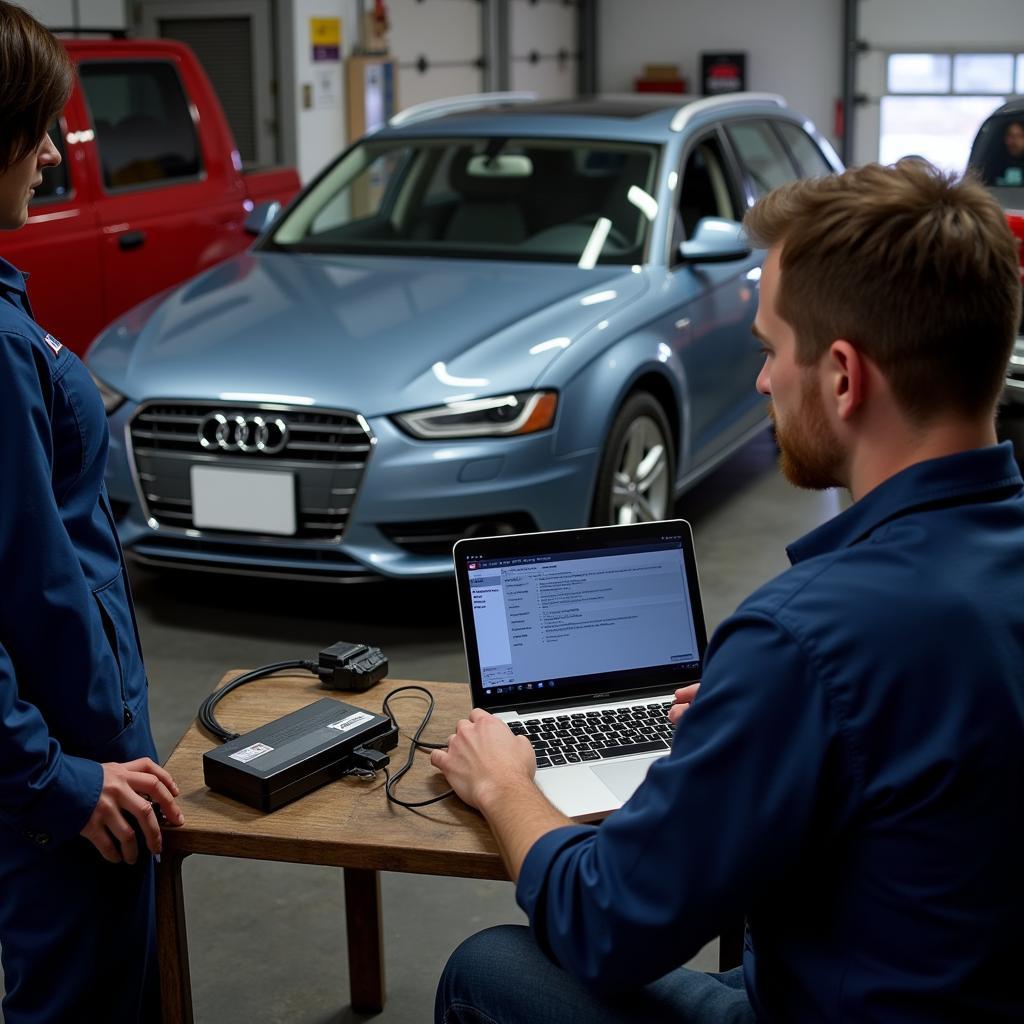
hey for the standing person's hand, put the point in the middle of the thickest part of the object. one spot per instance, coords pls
(684, 698)
(134, 788)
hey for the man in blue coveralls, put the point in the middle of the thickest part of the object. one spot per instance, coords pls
(78, 782)
(851, 775)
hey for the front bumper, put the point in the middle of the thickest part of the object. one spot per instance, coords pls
(414, 496)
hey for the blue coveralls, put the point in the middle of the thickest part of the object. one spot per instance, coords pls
(77, 932)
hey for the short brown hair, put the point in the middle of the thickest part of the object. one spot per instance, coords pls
(915, 267)
(35, 81)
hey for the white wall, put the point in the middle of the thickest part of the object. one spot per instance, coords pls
(92, 13)
(793, 47)
(547, 28)
(319, 131)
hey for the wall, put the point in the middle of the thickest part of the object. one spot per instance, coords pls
(92, 13)
(793, 47)
(318, 131)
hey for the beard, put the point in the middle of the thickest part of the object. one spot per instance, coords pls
(810, 454)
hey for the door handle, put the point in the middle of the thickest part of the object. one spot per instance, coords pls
(131, 240)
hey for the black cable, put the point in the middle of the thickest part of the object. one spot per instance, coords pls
(209, 720)
(391, 781)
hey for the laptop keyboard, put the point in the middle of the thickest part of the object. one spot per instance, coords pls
(596, 735)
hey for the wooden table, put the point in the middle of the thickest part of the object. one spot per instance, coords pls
(347, 824)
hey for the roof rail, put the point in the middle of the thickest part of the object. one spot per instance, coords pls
(685, 114)
(451, 104)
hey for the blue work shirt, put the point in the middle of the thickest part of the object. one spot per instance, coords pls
(850, 777)
(72, 683)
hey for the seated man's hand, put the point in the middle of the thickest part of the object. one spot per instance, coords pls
(483, 755)
(684, 698)
(135, 788)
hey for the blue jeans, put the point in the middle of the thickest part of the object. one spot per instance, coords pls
(499, 976)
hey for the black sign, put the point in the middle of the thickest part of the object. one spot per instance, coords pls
(723, 72)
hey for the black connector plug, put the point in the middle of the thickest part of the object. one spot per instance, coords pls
(370, 759)
(348, 666)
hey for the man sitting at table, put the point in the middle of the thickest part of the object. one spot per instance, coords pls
(851, 776)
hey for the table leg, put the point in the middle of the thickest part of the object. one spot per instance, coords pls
(365, 939)
(172, 941)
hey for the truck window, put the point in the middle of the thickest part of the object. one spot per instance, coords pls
(56, 184)
(144, 131)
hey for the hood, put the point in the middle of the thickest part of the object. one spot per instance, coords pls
(372, 334)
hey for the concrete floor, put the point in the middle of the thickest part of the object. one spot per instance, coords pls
(267, 940)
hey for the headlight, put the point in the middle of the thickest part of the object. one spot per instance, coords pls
(111, 399)
(522, 413)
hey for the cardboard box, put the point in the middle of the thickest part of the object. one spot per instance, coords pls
(662, 72)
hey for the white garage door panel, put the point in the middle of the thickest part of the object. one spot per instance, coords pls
(546, 27)
(441, 31)
(923, 26)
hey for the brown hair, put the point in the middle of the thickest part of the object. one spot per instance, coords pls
(916, 268)
(35, 81)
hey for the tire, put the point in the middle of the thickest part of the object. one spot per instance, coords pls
(628, 491)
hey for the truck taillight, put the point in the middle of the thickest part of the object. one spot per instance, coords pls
(1016, 222)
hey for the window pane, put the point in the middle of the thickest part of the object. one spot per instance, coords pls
(762, 155)
(808, 156)
(939, 128)
(1019, 88)
(919, 72)
(983, 72)
(55, 179)
(144, 131)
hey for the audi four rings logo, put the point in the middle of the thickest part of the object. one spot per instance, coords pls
(243, 433)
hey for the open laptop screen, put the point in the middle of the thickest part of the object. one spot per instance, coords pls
(550, 616)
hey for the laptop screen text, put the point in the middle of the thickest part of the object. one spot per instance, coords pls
(543, 620)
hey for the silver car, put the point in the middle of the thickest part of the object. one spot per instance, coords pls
(492, 315)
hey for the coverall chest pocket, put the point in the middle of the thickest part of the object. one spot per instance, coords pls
(115, 615)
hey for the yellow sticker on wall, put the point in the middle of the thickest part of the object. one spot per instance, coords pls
(325, 38)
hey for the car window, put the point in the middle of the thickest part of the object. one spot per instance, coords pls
(501, 197)
(809, 158)
(144, 131)
(704, 190)
(998, 153)
(762, 155)
(56, 182)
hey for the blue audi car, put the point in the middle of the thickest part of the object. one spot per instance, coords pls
(491, 315)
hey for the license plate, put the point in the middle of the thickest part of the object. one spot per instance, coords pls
(250, 500)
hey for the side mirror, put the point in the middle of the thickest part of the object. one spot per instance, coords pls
(715, 240)
(262, 217)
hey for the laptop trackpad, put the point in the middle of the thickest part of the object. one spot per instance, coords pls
(623, 778)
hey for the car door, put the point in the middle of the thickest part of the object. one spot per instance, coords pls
(165, 205)
(709, 308)
(59, 246)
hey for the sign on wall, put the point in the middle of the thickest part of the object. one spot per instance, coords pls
(325, 38)
(723, 72)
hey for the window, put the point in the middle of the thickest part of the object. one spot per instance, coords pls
(762, 155)
(56, 184)
(704, 191)
(144, 130)
(494, 197)
(936, 102)
(809, 158)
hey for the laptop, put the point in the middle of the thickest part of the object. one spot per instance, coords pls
(578, 639)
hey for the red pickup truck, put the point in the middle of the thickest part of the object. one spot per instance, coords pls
(151, 188)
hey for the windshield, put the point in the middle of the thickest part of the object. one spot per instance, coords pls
(998, 154)
(502, 198)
